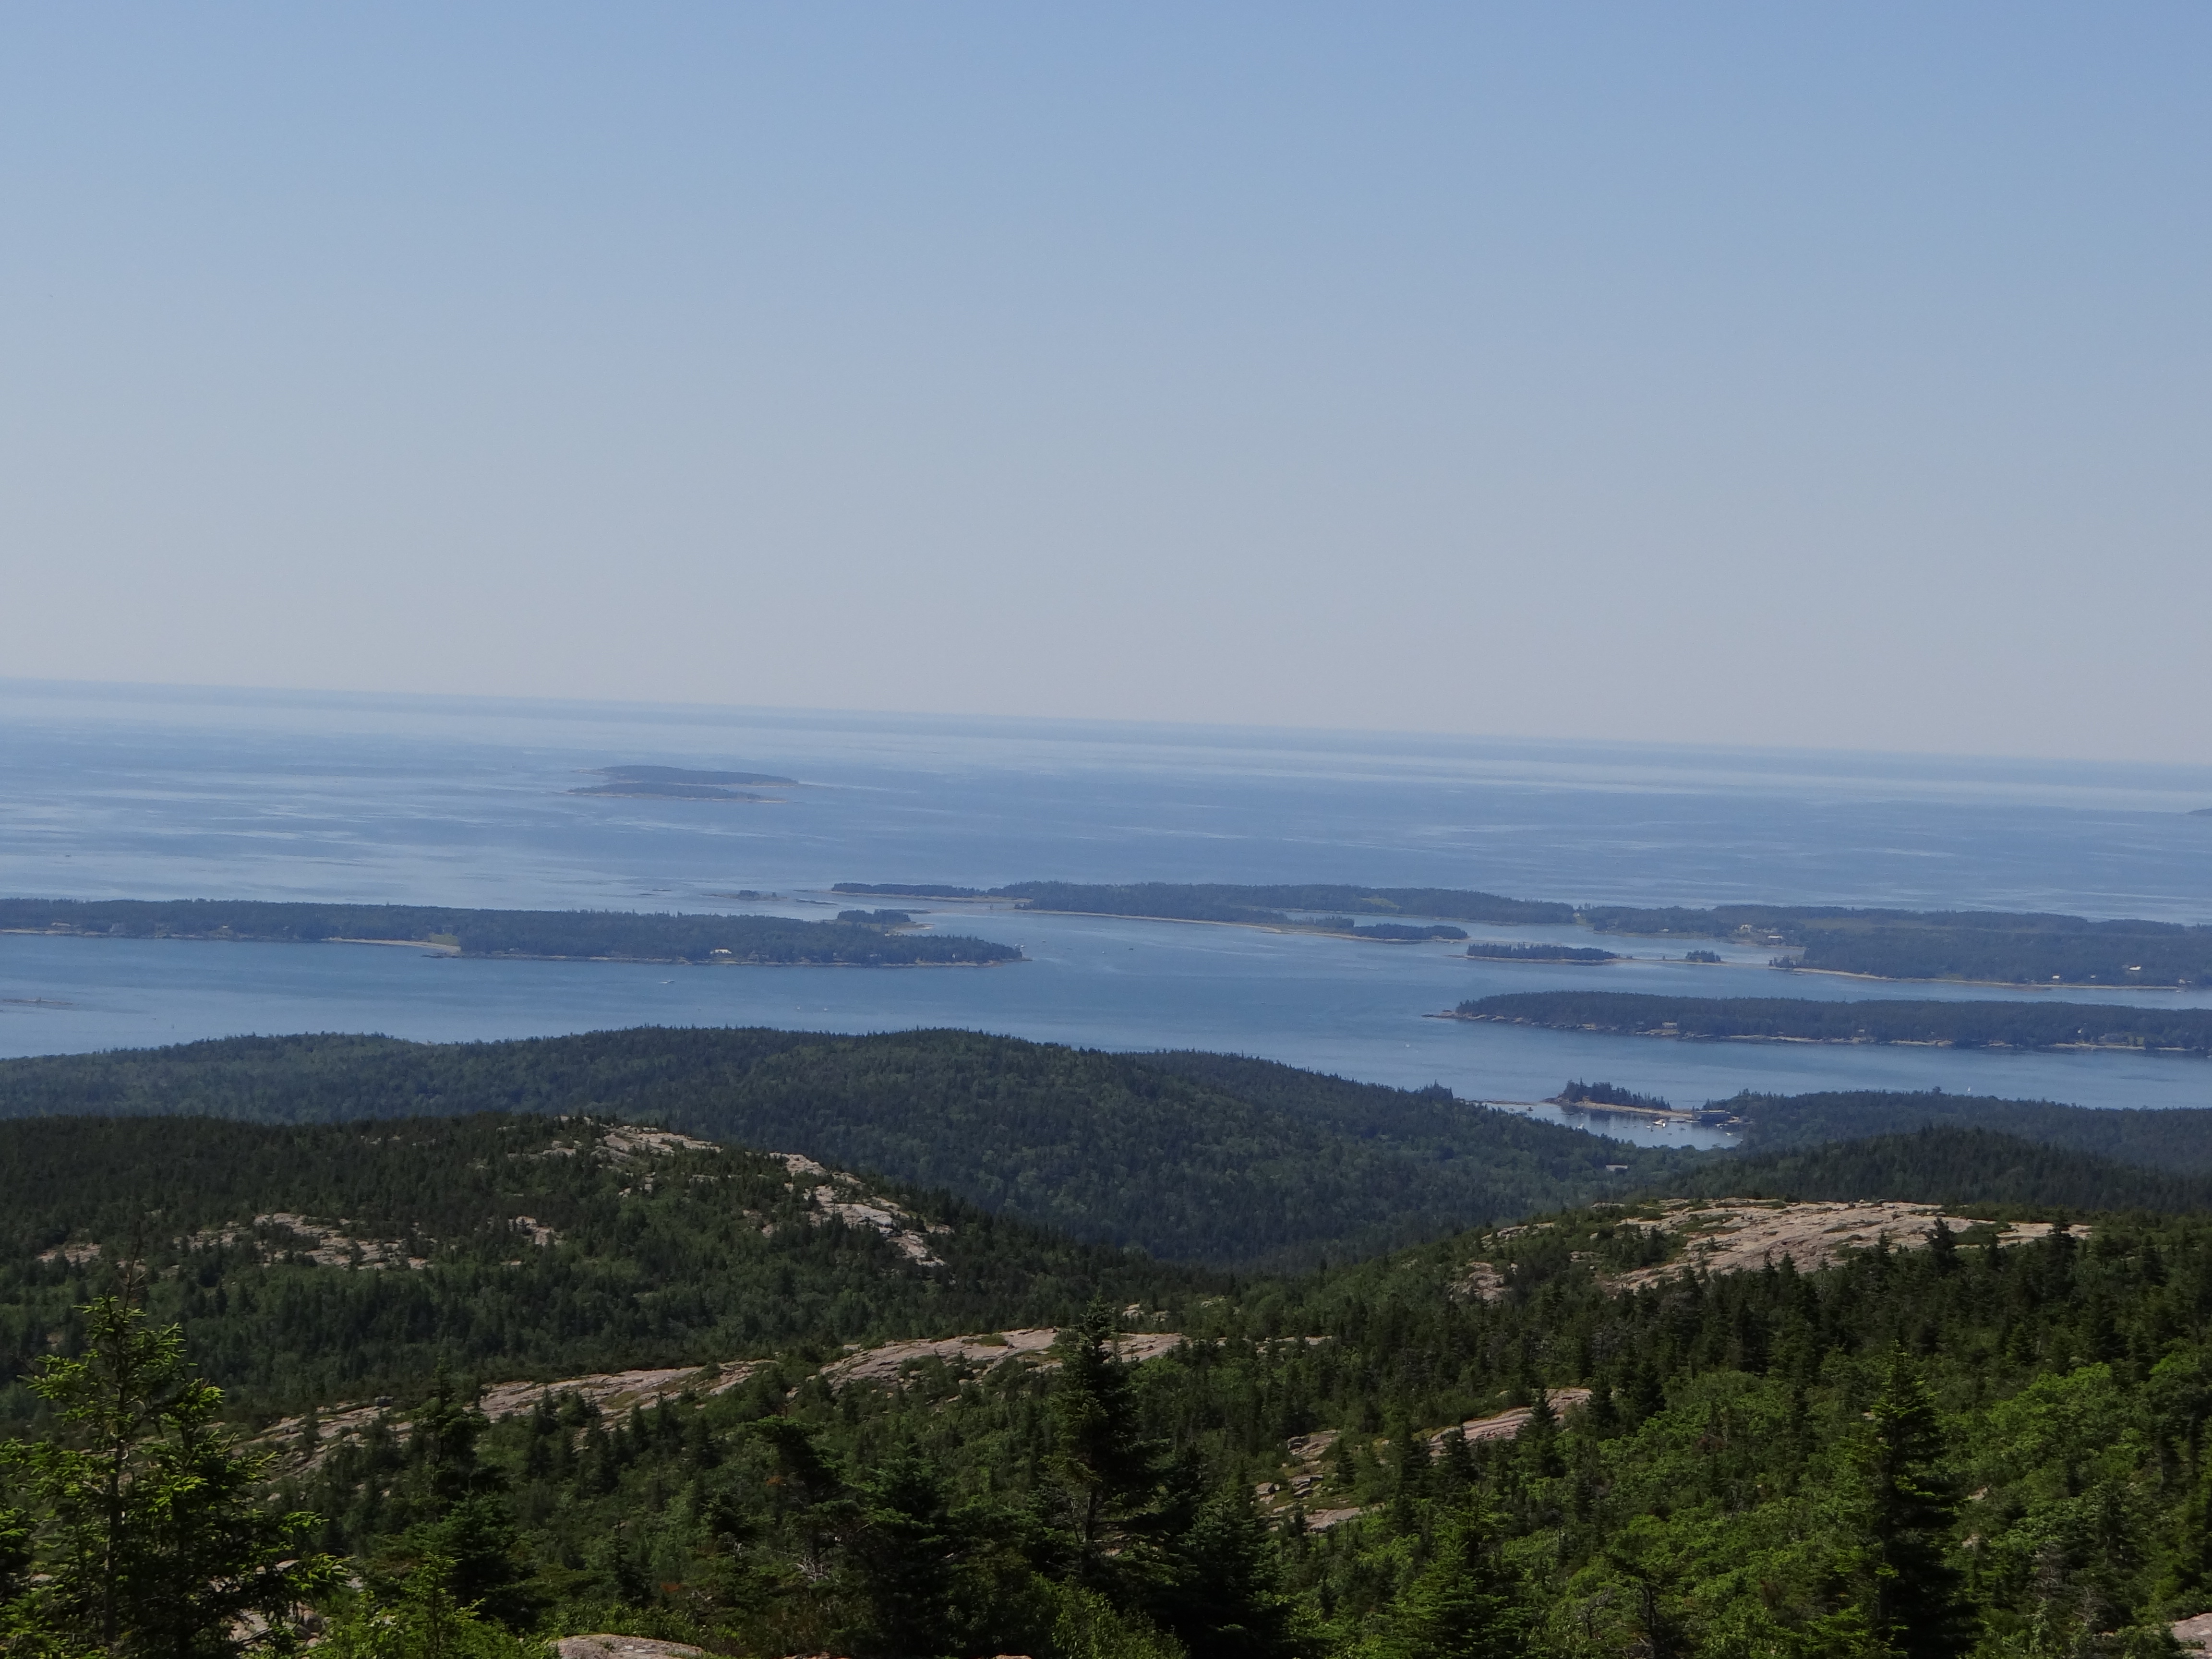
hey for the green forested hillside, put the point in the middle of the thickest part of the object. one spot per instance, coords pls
(615, 934)
(1198, 1158)
(1997, 1444)
(506, 1245)
(1278, 1167)
(1952, 1164)
(1427, 1124)
(1729, 1487)
(2176, 1141)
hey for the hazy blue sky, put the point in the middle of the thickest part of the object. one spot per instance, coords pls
(1835, 375)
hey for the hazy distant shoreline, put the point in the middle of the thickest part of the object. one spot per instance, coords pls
(710, 940)
(431, 947)
(2018, 1024)
(2023, 950)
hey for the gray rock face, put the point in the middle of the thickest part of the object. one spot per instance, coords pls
(623, 1647)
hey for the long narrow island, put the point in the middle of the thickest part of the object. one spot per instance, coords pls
(1342, 906)
(1995, 947)
(597, 935)
(2010, 1024)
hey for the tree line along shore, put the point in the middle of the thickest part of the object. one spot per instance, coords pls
(594, 935)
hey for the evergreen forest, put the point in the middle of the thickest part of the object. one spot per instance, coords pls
(1191, 1157)
(381, 1384)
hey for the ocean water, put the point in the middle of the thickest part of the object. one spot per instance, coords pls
(130, 793)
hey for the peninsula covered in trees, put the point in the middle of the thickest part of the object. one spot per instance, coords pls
(613, 935)
(1981, 1025)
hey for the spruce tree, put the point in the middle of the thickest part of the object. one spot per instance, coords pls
(1099, 1453)
(1466, 1603)
(1225, 1596)
(144, 1535)
(1911, 1508)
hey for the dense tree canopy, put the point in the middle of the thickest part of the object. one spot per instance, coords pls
(1555, 1438)
(1190, 1157)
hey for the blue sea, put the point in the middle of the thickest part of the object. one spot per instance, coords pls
(137, 792)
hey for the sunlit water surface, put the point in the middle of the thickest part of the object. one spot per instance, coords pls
(126, 793)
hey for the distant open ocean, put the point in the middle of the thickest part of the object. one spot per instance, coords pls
(162, 793)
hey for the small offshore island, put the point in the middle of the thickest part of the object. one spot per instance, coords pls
(1611, 1098)
(855, 939)
(2077, 1025)
(1484, 951)
(678, 783)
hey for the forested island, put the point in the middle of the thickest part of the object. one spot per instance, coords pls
(1397, 932)
(1794, 1019)
(1996, 946)
(1579, 1093)
(1999, 947)
(616, 935)
(490, 1379)
(1484, 951)
(1256, 905)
